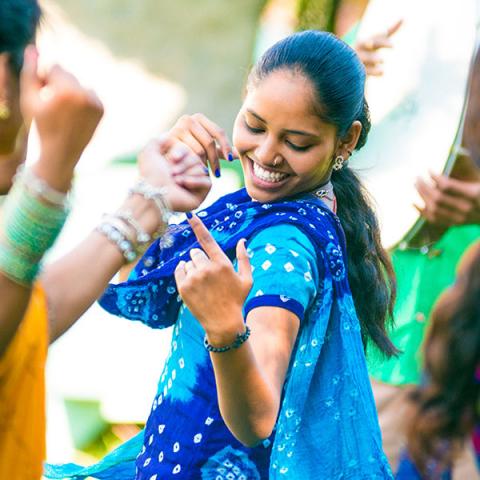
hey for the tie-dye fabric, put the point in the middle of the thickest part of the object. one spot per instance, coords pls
(327, 426)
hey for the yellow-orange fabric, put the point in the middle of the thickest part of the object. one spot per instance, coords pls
(22, 395)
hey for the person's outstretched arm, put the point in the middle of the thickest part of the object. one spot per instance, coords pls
(78, 279)
(66, 119)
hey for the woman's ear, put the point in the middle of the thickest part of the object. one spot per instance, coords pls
(350, 139)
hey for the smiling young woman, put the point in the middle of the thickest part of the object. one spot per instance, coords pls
(284, 146)
(271, 295)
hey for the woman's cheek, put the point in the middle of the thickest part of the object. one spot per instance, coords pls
(243, 141)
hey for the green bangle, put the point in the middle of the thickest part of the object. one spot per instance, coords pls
(16, 267)
(29, 228)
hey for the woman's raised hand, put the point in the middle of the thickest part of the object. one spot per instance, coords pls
(205, 138)
(369, 49)
(212, 289)
(448, 201)
(66, 115)
(165, 162)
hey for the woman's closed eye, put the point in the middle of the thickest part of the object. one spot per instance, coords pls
(298, 148)
(255, 130)
(293, 146)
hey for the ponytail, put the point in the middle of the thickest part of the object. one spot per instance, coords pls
(337, 77)
(371, 280)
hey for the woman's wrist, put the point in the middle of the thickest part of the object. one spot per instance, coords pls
(225, 331)
(144, 211)
(55, 173)
(141, 219)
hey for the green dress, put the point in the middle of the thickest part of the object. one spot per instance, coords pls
(421, 277)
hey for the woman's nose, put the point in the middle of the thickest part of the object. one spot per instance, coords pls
(267, 153)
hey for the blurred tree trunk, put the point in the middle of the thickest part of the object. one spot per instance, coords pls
(317, 14)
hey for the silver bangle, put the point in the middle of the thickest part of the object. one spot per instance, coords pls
(157, 195)
(116, 236)
(39, 188)
(143, 237)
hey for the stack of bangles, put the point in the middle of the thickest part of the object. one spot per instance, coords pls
(32, 217)
(122, 229)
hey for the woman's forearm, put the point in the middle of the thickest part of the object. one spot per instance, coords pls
(15, 296)
(78, 279)
(248, 402)
(75, 281)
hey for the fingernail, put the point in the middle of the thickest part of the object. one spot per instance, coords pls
(217, 172)
(230, 156)
(189, 215)
(205, 169)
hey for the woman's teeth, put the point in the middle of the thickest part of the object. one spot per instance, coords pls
(267, 175)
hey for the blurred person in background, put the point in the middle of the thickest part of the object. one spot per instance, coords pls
(446, 411)
(266, 377)
(451, 204)
(37, 306)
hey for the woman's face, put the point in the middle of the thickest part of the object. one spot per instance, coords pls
(283, 146)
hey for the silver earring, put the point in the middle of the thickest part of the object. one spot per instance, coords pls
(338, 162)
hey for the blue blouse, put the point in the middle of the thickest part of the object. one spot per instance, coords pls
(185, 435)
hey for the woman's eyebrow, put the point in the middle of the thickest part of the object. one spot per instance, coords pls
(291, 132)
(258, 117)
(301, 132)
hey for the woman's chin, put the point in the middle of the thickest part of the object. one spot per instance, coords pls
(261, 195)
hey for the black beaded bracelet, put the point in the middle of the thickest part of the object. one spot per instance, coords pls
(240, 340)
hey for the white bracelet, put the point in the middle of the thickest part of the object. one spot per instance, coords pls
(119, 238)
(142, 236)
(41, 189)
(157, 195)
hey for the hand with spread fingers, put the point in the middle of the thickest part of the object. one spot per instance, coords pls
(205, 138)
(166, 162)
(449, 201)
(369, 49)
(212, 289)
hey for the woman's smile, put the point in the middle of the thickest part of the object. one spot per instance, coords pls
(265, 177)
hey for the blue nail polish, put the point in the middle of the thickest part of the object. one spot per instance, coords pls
(205, 169)
(217, 172)
(230, 157)
(189, 215)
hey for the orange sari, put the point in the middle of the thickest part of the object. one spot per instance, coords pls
(22, 395)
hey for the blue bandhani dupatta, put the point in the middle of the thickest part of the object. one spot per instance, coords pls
(150, 296)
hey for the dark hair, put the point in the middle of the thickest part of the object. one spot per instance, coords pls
(338, 79)
(446, 406)
(18, 23)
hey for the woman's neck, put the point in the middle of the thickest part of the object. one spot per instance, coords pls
(326, 194)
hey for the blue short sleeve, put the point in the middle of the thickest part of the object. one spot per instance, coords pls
(285, 270)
